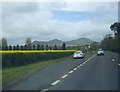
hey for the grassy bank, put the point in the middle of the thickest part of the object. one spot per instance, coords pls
(13, 74)
(20, 59)
(10, 75)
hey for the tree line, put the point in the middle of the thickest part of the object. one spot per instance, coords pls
(112, 42)
(28, 46)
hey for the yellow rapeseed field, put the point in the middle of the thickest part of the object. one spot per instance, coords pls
(34, 51)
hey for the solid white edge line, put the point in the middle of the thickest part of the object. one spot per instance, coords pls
(64, 76)
(54, 83)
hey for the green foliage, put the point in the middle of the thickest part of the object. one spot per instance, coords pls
(64, 46)
(55, 47)
(116, 29)
(17, 47)
(42, 47)
(10, 47)
(112, 43)
(34, 47)
(14, 47)
(109, 43)
(19, 59)
(28, 44)
(3, 44)
(38, 47)
(47, 47)
(21, 47)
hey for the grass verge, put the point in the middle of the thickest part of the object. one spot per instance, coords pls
(13, 74)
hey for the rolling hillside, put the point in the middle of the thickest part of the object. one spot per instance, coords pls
(80, 41)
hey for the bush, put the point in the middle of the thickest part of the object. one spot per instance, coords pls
(19, 59)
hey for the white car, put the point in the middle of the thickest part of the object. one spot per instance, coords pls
(78, 54)
(100, 52)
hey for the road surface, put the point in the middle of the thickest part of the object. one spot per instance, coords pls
(91, 73)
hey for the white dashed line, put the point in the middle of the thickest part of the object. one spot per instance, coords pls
(75, 69)
(119, 64)
(64, 76)
(54, 83)
(83, 63)
(87, 60)
(44, 90)
(71, 72)
(113, 60)
(57, 81)
(80, 64)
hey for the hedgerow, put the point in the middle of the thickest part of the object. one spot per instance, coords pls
(19, 59)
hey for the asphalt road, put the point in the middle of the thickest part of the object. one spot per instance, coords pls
(90, 73)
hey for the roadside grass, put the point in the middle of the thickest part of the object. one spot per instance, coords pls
(0, 78)
(13, 74)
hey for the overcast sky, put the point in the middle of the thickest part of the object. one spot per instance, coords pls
(57, 20)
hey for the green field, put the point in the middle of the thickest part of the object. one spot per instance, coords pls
(13, 74)
(10, 75)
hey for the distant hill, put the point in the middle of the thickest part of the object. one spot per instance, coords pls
(51, 42)
(80, 41)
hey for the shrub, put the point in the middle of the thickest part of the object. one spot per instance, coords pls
(19, 59)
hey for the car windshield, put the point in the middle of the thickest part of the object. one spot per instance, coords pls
(78, 52)
(100, 50)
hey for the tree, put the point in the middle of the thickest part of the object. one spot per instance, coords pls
(14, 47)
(63, 46)
(34, 47)
(38, 47)
(10, 47)
(6, 48)
(47, 47)
(21, 47)
(28, 43)
(50, 48)
(17, 47)
(116, 29)
(42, 47)
(3, 43)
(109, 43)
(25, 47)
(55, 47)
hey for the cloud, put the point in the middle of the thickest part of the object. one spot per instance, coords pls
(38, 21)
(90, 6)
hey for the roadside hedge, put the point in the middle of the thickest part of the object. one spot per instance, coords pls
(19, 59)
